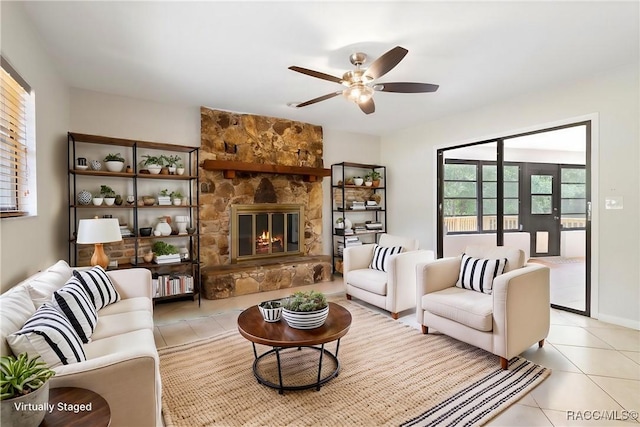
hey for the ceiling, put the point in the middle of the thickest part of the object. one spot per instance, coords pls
(234, 55)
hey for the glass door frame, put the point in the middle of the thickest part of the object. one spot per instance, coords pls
(500, 161)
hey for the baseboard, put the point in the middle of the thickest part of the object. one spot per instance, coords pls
(620, 321)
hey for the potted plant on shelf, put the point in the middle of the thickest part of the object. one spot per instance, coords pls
(164, 198)
(24, 383)
(108, 194)
(114, 162)
(172, 163)
(97, 199)
(305, 310)
(368, 180)
(180, 168)
(153, 164)
(164, 253)
(375, 178)
(176, 197)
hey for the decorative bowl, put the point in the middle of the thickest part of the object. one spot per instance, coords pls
(270, 314)
(114, 166)
(154, 170)
(98, 201)
(109, 201)
(305, 319)
(82, 167)
(358, 181)
(146, 231)
(148, 200)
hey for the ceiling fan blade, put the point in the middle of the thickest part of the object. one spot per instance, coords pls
(316, 74)
(318, 99)
(367, 107)
(386, 62)
(405, 87)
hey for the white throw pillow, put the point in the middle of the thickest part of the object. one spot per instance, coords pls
(48, 334)
(98, 286)
(72, 301)
(381, 255)
(41, 286)
(477, 274)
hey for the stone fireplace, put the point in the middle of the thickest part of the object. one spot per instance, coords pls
(259, 172)
(266, 230)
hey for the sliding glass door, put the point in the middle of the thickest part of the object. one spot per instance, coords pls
(530, 191)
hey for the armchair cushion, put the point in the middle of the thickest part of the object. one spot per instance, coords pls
(477, 274)
(473, 309)
(381, 256)
(374, 281)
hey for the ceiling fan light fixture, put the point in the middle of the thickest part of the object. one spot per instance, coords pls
(358, 93)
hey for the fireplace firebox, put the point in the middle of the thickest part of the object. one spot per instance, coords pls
(266, 230)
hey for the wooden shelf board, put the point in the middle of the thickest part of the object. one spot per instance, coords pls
(231, 167)
(107, 140)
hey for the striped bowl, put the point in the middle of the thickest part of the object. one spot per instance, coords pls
(270, 314)
(305, 319)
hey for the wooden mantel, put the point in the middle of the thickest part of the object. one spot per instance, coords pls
(230, 168)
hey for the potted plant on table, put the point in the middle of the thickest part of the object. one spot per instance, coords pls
(271, 310)
(114, 162)
(24, 382)
(305, 310)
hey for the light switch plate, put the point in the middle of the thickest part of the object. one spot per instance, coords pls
(613, 202)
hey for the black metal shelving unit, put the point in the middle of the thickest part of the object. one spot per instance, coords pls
(340, 172)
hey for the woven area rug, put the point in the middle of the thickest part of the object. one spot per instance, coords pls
(391, 374)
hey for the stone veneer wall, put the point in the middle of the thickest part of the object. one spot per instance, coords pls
(256, 139)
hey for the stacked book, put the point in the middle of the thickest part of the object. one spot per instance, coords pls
(166, 259)
(348, 242)
(164, 200)
(172, 284)
(125, 232)
(357, 206)
(359, 227)
(373, 225)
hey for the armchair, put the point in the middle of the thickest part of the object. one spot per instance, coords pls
(505, 322)
(393, 290)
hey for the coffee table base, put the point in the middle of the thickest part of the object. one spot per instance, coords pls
(281, 387)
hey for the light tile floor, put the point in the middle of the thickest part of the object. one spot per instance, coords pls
(596, 365)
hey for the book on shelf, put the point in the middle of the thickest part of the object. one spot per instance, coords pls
(172, 284)
(373, 226)
(167, 259)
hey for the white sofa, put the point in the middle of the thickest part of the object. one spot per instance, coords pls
(393, 290)
(122, 361)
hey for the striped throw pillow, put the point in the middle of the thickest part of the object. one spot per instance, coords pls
(98, 286)
(477, 274)
(72, 301)
(48, 333)
(381, 255)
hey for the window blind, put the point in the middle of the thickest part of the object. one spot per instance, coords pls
(13, 143)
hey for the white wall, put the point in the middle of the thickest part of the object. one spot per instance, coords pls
(613, 97)
(33, 243)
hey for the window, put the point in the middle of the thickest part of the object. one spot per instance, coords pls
(464, 211)
(15, 107)
(573, 193)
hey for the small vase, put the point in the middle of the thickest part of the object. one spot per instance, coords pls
(163, 227)
(84, 197)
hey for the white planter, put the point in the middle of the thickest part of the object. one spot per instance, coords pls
(172, 170)
(305, 319)
(30, 417)
(180, 171)
(114, 166)
(154, 169)
(358, 181)
(177, 201)
(98, 200)
(270, 314)
(109, 201)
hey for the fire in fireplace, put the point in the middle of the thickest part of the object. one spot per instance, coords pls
(266, 230)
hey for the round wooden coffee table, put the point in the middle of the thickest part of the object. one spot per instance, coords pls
(279, 335)
(74, 406)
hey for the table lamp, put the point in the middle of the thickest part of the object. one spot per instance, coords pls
(98, 231)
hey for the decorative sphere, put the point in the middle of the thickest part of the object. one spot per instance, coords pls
(84, 197)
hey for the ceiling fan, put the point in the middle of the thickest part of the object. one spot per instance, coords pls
(360, 82)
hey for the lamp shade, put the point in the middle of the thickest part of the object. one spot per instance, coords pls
(98, 230)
